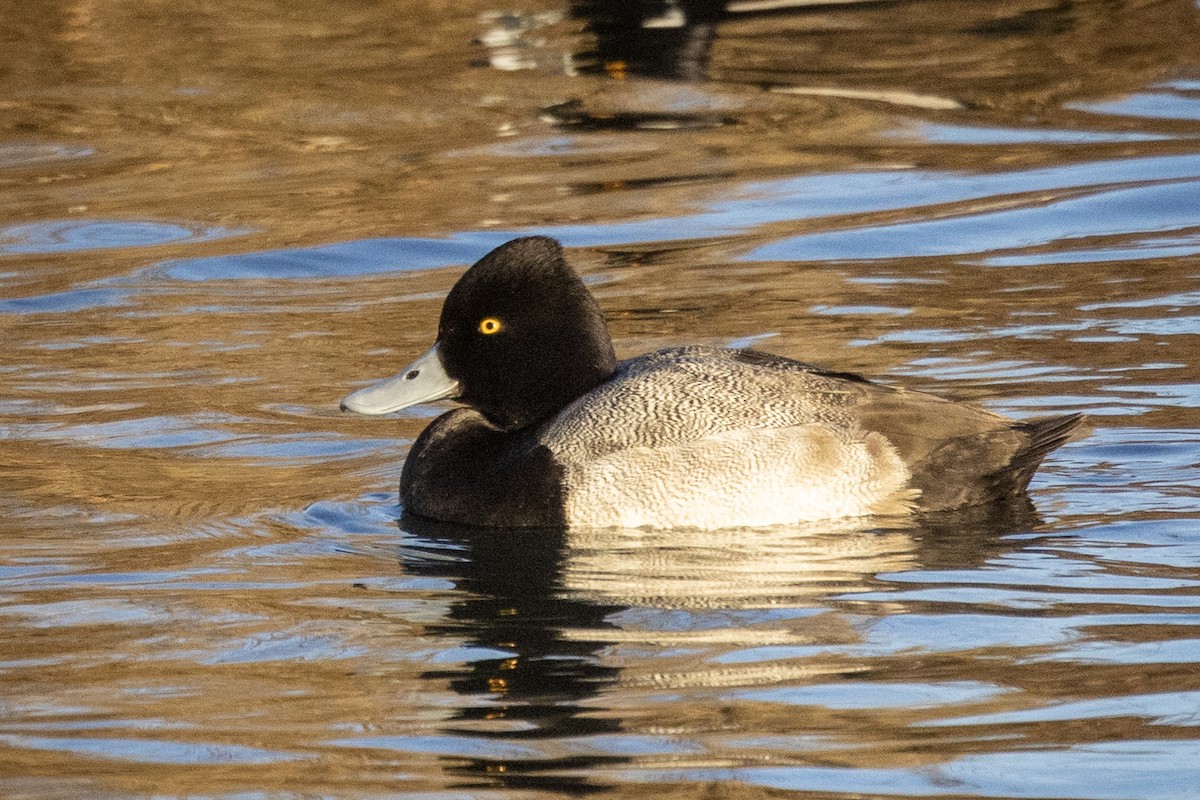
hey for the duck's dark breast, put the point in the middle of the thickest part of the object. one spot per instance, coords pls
(464, 470)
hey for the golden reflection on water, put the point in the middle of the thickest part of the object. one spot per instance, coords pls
(217, 219)
(732, 568)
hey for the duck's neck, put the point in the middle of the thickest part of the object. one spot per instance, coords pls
(527, 403)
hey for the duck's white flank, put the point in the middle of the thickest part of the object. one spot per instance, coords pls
(751, 478)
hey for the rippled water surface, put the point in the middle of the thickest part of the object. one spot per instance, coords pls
(217, 218)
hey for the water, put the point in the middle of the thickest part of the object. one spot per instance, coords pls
(216, 220)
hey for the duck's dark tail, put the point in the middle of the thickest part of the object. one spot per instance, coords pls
(986, 467)
(1041, 437)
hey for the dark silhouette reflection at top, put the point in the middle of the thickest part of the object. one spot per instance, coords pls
(655, 38)
(513, 603)
(545, 599)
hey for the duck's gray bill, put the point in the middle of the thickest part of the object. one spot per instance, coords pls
(422, 381)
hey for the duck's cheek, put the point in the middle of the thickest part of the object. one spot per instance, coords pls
(422, 381)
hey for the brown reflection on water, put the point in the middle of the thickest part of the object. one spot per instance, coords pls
(308, 126)
(203, 590)
(1009, 55)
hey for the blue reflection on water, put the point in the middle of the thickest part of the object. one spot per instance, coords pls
(363, 257)
(1145, 195)
(73, 235)
(64, 302)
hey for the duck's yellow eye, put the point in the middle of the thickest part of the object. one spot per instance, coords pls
(490, 325)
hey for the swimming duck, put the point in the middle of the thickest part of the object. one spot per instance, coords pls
(555, 432)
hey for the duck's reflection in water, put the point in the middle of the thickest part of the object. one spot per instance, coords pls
(797, 566)
(535, 688)
(558, 606)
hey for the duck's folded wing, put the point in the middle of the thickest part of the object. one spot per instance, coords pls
(958, 454)
(961, 456)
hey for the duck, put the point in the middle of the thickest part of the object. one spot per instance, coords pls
(552, 431)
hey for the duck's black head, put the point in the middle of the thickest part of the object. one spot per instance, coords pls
(522, 335)
(519, 338)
